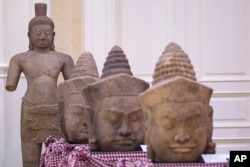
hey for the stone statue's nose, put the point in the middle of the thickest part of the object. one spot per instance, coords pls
(124, 129)
(42, 35)
(182, 136)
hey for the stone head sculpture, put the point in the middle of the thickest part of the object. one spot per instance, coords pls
(40, 19)
(72, 105)
(178, 117)
(115, 115)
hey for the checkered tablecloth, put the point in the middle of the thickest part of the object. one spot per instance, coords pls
(58, 153)
(192, 165)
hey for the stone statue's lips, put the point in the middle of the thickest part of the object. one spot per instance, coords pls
(182, 149)
(43, 43)
(84, 131)
(124, 142)
(84, 128)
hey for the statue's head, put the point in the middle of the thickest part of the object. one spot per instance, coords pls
(72, 106)
(178, 117)
(41, 24)
(115, 114)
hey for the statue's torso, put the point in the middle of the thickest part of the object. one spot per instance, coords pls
(41, 72)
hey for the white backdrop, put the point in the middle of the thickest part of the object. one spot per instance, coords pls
(214, 33)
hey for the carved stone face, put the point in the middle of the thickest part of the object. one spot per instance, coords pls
(178, 131)
(41, 36)
(75, 123)
(119, 124)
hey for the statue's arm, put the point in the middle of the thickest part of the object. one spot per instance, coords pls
(14, 72)
(68, 67)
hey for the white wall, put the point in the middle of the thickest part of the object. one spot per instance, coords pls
(1, 89)
(214, 33)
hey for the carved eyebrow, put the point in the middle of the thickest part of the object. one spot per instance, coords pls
(113, 111)
(77, 105)
(168, 116)
(134, 111)
(194, 114)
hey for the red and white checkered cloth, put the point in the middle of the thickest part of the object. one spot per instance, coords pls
(191, 165)
(60, 154)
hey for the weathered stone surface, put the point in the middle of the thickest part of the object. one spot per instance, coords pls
(173, 62)
(72, 105)
(178, 117)
(115, 117)
(41, 66)
(85, 67)
(116, 63)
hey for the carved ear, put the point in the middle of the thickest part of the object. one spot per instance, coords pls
(61, 118)
(148, 119)
(31, 47)
(52, 46)
(210, 147)
(145, 120)
(89, 116)
(150, 151)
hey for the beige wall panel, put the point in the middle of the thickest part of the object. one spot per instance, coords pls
(67, 16)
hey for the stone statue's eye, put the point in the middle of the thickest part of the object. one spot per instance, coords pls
(136, 116)
(194, 121)
(114, 118)
(37, 33)
(47, 33)
(168, 124)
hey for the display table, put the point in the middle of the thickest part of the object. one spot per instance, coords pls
(58, 153)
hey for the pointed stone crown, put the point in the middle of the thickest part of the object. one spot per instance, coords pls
(40, 16)
(84, 73)
(116, 63)
(173, 62)
(85, 67)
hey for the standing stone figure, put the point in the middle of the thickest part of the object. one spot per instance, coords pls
(178, 117)
(114, 113)
(41, 65)
(72, 106)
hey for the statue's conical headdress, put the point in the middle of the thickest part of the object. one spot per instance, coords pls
(116, 63)
(40, 16)
(84, 73)
(116, 80)
(173, 62)
(174, 80)
(85, 66)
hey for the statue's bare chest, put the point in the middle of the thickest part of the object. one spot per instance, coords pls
(42, 65)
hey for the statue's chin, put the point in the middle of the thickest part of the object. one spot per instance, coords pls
(178, 157)
(120, 148)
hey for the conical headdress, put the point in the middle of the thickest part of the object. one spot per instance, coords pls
(84, 73)
(85, 66)
(173, 62)
(40, 16)
(116, 63)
